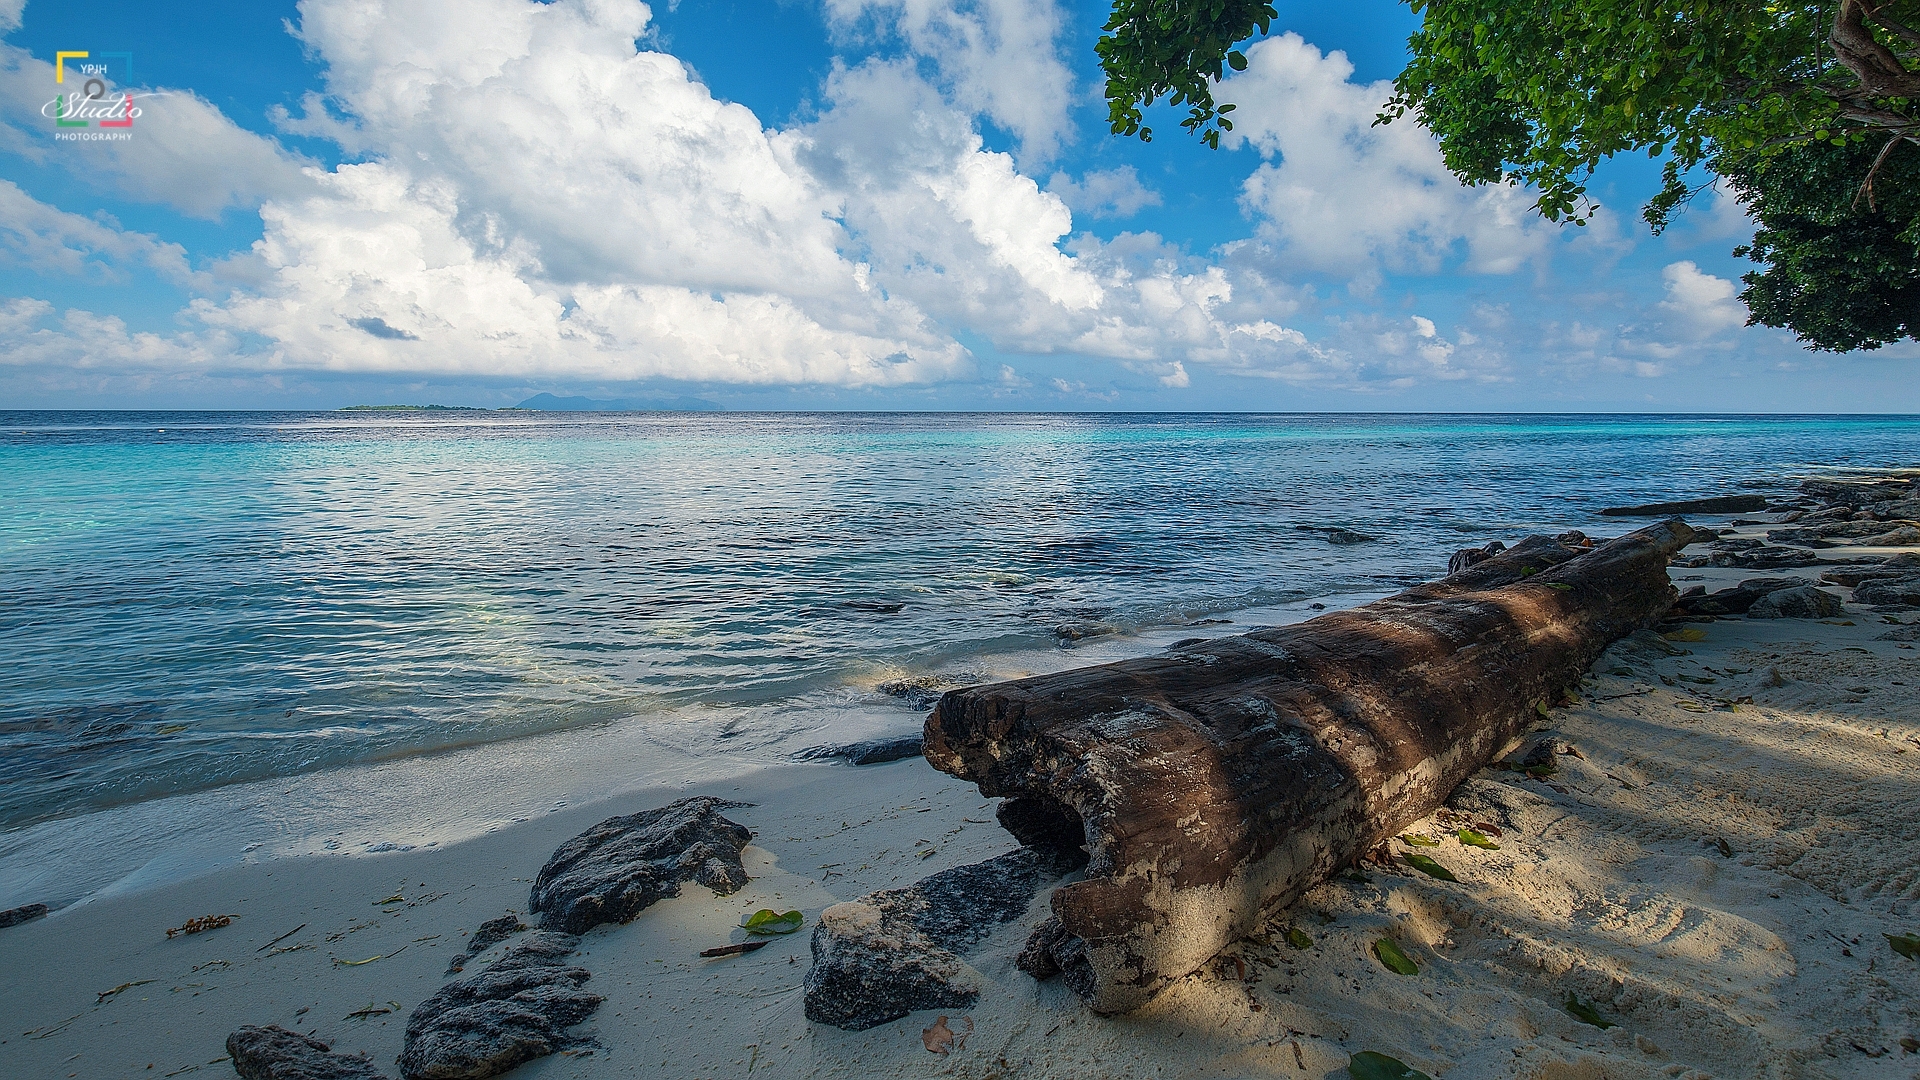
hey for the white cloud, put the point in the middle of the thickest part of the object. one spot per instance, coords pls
(184, 152)
(1348, 197)
(1104, 193)
(18, 314)
(10, 11)
(1701, 304)
(998, 58)
(49, 240)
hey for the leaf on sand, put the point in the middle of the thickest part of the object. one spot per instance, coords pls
(1474, 838)
(1560, 586)
(1298, 938)
(736, 949)
(941, 1039)
(337, 962)
(1586, 1014)
(1419, 840)
(1686, 634)
(1428, 867)
(1368, 1065)
(1907, 945)
(396, 898)
(1394, 960)
(768, 921)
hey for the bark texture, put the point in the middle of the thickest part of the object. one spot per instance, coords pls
(1215, 784)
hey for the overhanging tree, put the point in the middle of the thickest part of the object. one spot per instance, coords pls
(1802, 107)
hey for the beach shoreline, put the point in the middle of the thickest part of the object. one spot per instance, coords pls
(1712, 872)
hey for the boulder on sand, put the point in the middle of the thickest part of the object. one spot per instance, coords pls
(618, 868)
(1800, 602)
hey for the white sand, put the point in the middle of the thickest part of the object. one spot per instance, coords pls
(1610, 884)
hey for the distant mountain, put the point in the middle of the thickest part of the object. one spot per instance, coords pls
(550, 403)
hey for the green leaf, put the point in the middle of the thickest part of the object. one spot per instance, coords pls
(1587, 1014)
(768, 921)
(1473, 838)
(1237, 61)
(1368, 1065)
(1541, 708)
(1393, 959)
(1559, 585)
(1298, 938)
(1419, 840)
(1428, 867)
(1907, 945)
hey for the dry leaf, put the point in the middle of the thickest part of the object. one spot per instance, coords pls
(941, 1039)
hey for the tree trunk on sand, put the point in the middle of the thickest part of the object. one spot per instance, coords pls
(1215, 784)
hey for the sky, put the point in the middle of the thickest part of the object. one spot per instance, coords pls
(812, 204)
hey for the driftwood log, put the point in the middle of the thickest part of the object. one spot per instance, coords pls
(1216, 783)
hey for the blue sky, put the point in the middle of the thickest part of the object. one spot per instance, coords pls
(859, 204)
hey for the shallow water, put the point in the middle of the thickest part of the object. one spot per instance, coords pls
(194, 599)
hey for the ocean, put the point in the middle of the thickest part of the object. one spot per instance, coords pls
(197, 602)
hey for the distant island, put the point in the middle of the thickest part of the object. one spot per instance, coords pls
(410, 408)
(550, 403)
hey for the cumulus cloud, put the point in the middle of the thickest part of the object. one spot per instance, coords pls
(185, 153)
(1701, 304)
(10, 11)
(997, 58)
(1340, 195)
(1104, 193)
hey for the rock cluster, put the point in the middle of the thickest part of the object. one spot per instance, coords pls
(1870, 513)
(516, 1010)
(618, 868)
(893, 952)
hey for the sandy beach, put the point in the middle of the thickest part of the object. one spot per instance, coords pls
(1712, 872)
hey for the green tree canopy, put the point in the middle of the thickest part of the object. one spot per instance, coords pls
(1539, 92)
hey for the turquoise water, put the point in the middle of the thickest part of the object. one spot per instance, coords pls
(193, 599)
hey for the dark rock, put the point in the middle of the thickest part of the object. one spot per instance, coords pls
(1904, 633)
(1542, 749)
(1859, 493)
(1734, 601)
(1037, 956)
(516, 1010)
(1906, 535)
(1467, 558)
(1904, 564)
(1077, 630)
(1348, 536)
(274, 1053)
(615, 870)
(921, 691)
(1751, 555)
(894, 952)
(1901, 591)
(1801, 602)
(24, 913)
(875, 606)
(1722, 504)
(489, 934)
(870, 752)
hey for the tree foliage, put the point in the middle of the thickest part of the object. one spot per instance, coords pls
(1774, 95)
(1840, 270)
